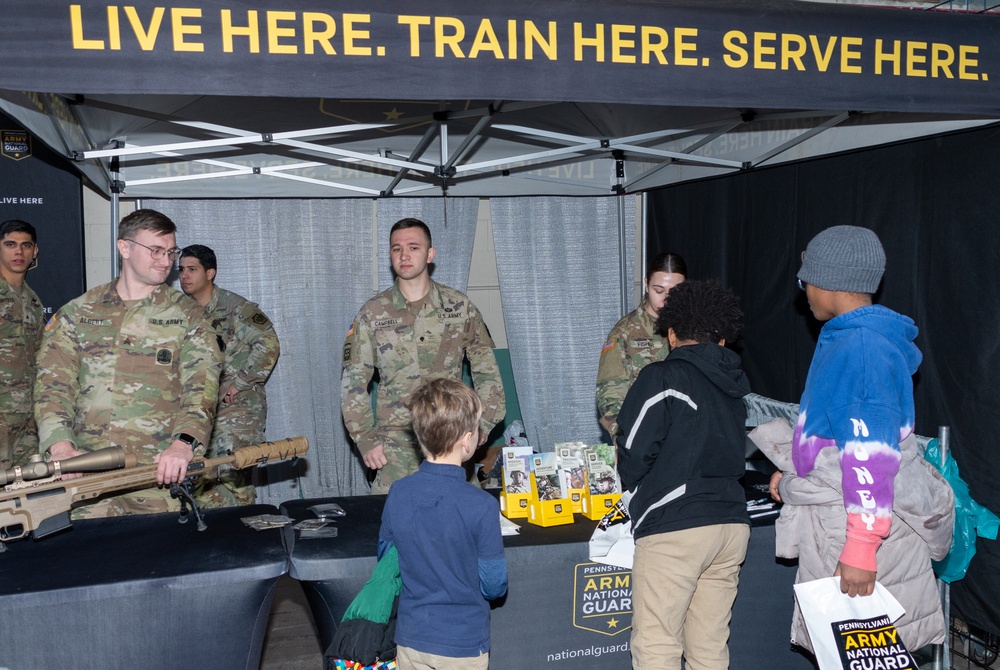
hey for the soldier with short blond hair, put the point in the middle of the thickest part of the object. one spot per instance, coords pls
(132, 363)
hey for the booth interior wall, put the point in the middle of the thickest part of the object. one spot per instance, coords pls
(933, 203)
(558, 264)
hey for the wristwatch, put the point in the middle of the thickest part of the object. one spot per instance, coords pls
(189, 440)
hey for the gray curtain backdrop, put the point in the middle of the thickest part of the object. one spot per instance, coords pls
(559, 281)
(452, 222)
(310, 264)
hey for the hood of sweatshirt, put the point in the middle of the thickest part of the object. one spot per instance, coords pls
(720, 365)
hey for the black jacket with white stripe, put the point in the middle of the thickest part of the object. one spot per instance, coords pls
(682, 452)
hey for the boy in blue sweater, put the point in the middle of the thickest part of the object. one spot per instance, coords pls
(447, 534)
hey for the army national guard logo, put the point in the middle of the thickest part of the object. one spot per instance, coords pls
(602, 598)
(16, 144)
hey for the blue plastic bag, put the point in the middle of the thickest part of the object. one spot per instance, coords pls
(971, 519)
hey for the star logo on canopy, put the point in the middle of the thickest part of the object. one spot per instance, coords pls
(392, 115)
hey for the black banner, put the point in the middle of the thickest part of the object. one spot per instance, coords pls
(775, 54)
(39, 187)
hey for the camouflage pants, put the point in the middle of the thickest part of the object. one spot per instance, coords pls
(18, 439)
(147, 501)
(229, 488)
(404, 457)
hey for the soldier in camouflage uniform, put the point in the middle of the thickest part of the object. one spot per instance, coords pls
(633, 343)
(132, 363)
(414, 331)
(251, 350)
(21, 324)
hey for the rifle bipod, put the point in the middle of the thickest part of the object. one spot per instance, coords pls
(182, 491)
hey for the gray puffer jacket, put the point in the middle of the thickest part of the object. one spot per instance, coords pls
(813, 524)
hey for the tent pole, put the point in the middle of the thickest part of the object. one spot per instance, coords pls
(619, 190)
(644, 240)
(115, 191)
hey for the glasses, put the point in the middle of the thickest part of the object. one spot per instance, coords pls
(157, 252)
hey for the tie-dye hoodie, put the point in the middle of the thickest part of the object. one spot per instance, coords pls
(859, 397)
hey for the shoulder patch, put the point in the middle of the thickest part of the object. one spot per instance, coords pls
(51, 323)
(608, 346)
(252, 313)
(350, 331)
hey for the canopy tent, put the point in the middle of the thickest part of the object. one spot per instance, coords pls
(291, 99)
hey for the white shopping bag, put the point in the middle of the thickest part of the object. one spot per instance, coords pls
(612, 542)
(849, 633)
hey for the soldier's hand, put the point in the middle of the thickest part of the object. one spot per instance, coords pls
(60, 451)
(230, 394)
(375, 459)
(172, 462)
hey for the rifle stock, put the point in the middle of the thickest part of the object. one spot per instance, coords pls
(43, 508)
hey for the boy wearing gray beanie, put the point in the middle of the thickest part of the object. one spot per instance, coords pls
(858, 394)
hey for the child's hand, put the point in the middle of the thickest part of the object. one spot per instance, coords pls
(855, 581)
(775, 478)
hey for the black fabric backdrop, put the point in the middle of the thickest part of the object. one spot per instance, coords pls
(934, 203)
(44, 190)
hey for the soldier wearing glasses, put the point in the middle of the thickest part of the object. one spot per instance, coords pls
(132, 363)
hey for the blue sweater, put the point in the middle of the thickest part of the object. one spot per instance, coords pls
(447, 533)
(859, 398)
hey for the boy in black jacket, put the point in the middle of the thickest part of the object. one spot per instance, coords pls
(682, 455)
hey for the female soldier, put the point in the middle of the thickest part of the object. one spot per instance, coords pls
(632, 343)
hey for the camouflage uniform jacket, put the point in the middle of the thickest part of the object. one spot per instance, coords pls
(109, 375)
(407, 348)
(21, 322)
(631, 345)
(251, 352)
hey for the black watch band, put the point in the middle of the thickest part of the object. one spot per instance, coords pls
(190, 440)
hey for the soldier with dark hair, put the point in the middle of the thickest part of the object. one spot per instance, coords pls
(131, 363)
(251, 351)
(415, 331)
(634, 343)
(21, 322)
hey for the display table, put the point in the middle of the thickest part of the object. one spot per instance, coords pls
(141, 592)
(560, 606)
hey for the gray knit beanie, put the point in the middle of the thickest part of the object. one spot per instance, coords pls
(844, 258)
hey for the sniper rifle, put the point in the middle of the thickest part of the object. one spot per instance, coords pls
(37, 499)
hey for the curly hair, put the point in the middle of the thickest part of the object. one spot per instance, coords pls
(703, 311)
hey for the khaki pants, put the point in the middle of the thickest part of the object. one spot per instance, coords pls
(411, 659)
(684, 584)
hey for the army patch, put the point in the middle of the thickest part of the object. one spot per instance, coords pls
(351, 330)
(642, 344)
(347, 352)
(453, 315)
(386, 323)
(608, 346)
(251, 312)
(51, 323)
(164, 356)
(95, 322)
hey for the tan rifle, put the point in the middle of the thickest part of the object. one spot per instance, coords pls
(38, 498)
